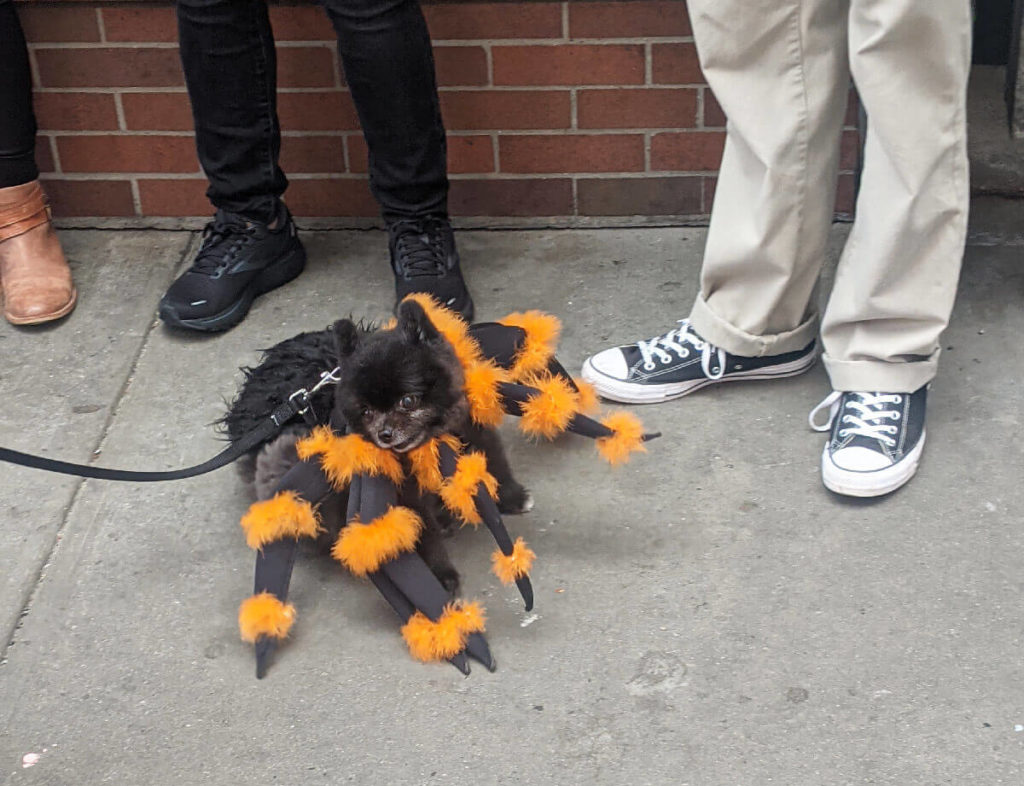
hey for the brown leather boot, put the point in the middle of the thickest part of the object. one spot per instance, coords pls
(34, 274)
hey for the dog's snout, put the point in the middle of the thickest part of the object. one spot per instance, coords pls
(385, 435)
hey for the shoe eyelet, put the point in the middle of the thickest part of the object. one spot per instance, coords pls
(649, 366)
(899, 399)
(894, 415)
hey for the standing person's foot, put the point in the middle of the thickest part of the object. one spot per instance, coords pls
(424, 259)
(680, 362)
(239, 260)
(34, 274)
(876, 440)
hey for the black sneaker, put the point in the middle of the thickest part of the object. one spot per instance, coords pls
(424, 259)
(680, 362)
(239, 260)
(876, 440)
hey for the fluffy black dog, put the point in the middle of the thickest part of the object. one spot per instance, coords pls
(399, 388)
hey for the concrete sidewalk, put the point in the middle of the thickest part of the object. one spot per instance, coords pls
(708, 614)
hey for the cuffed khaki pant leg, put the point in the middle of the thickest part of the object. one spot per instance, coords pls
(779, 69)
(897, 277)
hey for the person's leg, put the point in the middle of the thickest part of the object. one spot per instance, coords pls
(389, 67)
(34, 274)
(897, 277)
(230, 65)
(251, 246)
(779, 70)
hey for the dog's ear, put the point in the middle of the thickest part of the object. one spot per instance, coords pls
(346, 337)
(415, 324)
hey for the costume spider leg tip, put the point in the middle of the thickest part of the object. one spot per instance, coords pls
(477, 649)
(650, 436)
(461, 662)
(264, 647)
(526, 590)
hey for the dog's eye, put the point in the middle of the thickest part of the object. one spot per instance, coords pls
(410, 401)
(367, 412)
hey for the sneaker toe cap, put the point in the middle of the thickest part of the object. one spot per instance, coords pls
(860, 459)
(610, 363)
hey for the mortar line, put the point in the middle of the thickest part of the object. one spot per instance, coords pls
(37, 580)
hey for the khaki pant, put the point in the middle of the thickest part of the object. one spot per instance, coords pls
(781, 71)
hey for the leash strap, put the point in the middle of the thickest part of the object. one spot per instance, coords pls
(298, 403)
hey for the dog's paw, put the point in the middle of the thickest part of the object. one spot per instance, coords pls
(447, 524)
(513, 498)
(449, 578)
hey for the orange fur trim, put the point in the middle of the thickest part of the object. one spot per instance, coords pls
(539, 344)
(485, 404)
(432, 641)
(451, 326)
(628, 437)
(389, 324)
(343, 457)
(548, 413)
(264, 615)
(426, 463)
(586, 399)
(362, 548)
(285, 515)
(458, 491)
(509, 567)
(318, 442)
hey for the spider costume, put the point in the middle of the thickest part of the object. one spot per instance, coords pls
(508, 368)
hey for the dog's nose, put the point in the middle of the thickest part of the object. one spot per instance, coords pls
(385, 435)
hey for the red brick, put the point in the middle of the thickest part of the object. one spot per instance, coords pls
(157, 111)
(688, 152)
(75, 111)
(644, 196)
(460, 65)
(44, 154)
(714, 115)
(334, 197)
(305, 66)
(50, 24)
(628, 20)
(174, 197)
(103, 67)
(852, 109)
(710, 184)
(675, 64)
(107, 153)
(327, 111)
(849, 150)
(574, 64)
(494, 20)
(313, 154)
(301, 23)
(511, 197)
(506, 109)
(572, 153)
(466, 154)
(643, 108)
(140, 23)
(90, 197)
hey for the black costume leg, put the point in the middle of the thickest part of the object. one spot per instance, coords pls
(17, 121)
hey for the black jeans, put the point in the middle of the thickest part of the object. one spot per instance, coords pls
(17, 122)
(227, 49)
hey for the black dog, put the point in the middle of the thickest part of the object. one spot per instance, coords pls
(399, 388)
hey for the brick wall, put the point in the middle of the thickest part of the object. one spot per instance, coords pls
(575, 110)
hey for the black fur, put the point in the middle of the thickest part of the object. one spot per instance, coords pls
(399, 388)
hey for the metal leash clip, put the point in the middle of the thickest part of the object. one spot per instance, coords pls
(301, 401)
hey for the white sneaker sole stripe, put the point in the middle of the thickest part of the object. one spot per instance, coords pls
(634, 393)
(870, 484)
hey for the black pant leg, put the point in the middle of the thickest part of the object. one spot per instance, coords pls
(227, 52)
(389, 65)
(17, 121)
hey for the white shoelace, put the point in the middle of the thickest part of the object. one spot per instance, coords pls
(868, 418)
(679, 340)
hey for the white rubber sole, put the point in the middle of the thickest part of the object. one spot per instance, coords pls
(633, 393)
(870, 484)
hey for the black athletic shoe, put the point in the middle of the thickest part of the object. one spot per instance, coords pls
(424, 259)
(680, 362)
(239, 260)
(876, 441)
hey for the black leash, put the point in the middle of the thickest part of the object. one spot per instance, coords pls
(298, 403)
